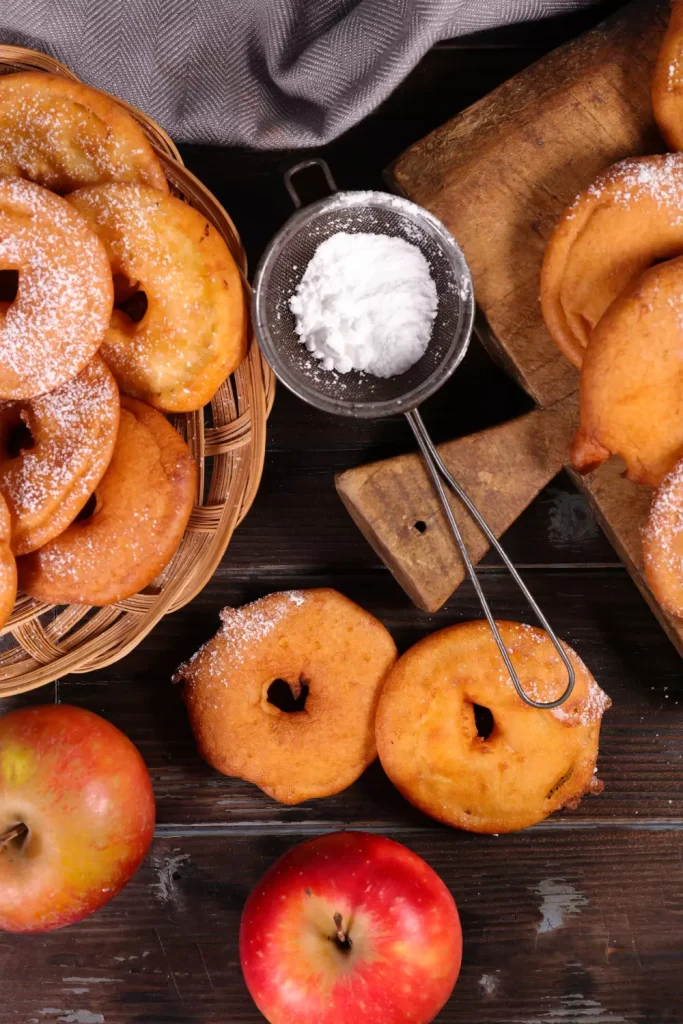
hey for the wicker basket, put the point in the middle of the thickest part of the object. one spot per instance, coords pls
(41, 642)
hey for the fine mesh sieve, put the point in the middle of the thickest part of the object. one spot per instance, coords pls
(359, 394)
(363, 395)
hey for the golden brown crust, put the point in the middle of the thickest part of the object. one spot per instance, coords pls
(531, 764)
(663, 543)
(57, 321)
(143, 503)
(318, 638)
(72, 436)
(65, 135)
(667, 81)
(627, 220)
(632, 380)
(8, 566)
(193, 334)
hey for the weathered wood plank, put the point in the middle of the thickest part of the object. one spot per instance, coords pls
(583, 931)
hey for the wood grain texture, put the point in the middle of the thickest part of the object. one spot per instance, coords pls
(555, 931)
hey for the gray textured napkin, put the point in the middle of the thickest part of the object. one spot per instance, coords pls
(264, 73)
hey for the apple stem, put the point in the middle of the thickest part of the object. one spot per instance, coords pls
(13, 833)
(343, 941)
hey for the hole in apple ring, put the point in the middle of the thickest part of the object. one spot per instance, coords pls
(18, 437)
(129, 298)
(287, 697)
(483, 720)
(9, 286)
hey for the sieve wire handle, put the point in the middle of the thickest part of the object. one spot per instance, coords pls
(303, 165)
(438, 470)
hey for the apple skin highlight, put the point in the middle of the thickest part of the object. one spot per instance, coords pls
(84, 794)
(403, 942)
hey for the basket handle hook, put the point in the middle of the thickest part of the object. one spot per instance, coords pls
(290, 174)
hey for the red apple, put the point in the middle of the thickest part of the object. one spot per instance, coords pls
(76, 815)
(350, 928)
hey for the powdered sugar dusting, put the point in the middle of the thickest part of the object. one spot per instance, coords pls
(74, 559)
(64, 135)
(659, 178)
(74, 430)
(143, 503)
(534, 652)
(63, 302)
(185, 326)
(663, 532)
(666, 514)
(247, 626)
(586, 709)
(242, 630)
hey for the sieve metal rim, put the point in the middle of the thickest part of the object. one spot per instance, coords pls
(281, 365)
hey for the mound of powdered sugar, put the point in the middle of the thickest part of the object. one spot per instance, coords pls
(366, 302)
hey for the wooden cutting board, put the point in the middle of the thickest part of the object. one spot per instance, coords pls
(499, 175)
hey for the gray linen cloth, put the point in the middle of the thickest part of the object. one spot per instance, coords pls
(261, 73)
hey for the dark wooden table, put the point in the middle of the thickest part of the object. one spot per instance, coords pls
(576, 921)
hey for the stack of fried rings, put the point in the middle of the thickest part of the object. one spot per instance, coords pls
(611, 287)
(118, 303)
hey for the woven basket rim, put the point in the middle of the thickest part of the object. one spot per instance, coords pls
(51, 642)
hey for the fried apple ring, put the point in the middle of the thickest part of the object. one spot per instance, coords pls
(663, 543)
(325, 649)
(525, 764)
(142, 505)
(667, 81)
(57, 321)
(193, 332)
(8, 566)
(64, 135)
(631, 395)
(54, 450)
(631, 217)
